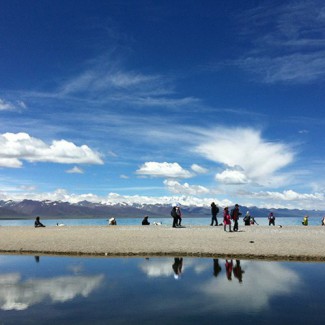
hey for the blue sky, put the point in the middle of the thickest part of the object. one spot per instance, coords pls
(163, 101)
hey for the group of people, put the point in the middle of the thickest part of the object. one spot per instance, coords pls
(234, 216)
(228, 218)
(176, 213)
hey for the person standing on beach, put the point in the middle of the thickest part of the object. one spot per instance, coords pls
(214, 212)
(235, 216)
(179, 216)
(323, 221)
(271, 219)
(173, 213)
(305, 221)
(38, 222)
(226, 219)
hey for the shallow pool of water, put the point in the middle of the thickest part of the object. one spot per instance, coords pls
(66, 290)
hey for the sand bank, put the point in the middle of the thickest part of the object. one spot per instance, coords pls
(255, 242)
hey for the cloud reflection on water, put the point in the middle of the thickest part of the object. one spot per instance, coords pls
(16, 294)
(253, 290)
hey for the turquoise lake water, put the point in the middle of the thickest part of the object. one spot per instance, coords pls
(66, 290)
(313, 221)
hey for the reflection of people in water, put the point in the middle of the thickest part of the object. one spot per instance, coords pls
(216, 267)
(177, 267)
(36, 259)
(38, 222)
(229, 266)
(238, 272)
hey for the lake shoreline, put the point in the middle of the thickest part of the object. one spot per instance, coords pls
(292, 243)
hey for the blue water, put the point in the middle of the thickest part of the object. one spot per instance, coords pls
(66, 290)
(313, 221)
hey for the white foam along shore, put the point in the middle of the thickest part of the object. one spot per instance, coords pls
(252, 242)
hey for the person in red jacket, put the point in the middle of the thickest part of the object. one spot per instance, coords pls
(226, 219)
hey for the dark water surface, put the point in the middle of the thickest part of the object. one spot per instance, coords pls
(66, 290)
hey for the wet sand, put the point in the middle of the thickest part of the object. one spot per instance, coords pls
(254, 242)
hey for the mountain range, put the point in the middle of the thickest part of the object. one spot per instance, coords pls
(57, 209)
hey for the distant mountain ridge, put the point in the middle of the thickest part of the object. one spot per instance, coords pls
(84, 209)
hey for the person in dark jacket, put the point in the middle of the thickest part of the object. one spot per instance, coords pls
(38, 222)
(145, 221)
(174, 214)
(235, 216)
(214, 212)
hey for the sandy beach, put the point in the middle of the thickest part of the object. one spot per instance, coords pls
(255, 242)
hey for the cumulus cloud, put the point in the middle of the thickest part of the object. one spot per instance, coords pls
(18, 295)
(233, 177)
(198, 169)
(244, 150)
(75, 170)
(165, 169)
(15, 147)
(185, 189)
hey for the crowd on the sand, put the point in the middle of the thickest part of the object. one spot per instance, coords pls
(231, 218)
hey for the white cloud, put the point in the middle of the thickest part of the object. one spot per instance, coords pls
(9, 106)
(75, 170)
(165, 169)
(185, 189)
(263, 281)
(6, 106)
(289, 195)
(15, 147)
(244, 149)
(233, 177)
(293, 68)
(293, 38)
(20, 295)
(198, 169)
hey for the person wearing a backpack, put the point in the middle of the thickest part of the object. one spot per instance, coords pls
(235, 216)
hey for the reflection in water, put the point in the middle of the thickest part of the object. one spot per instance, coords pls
(19, 295)
(96, 290)
(238, 272)
(177, 267)
(216, 267)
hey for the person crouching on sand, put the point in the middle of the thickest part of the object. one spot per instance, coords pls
(38, 222)
(112, 222)
(226, 219)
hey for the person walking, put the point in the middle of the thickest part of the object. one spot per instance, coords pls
(214, 212)
(179, 216)
(235, 216)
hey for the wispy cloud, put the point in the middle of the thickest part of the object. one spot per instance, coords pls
(288, 42)
(247, 156)
(11, 106)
